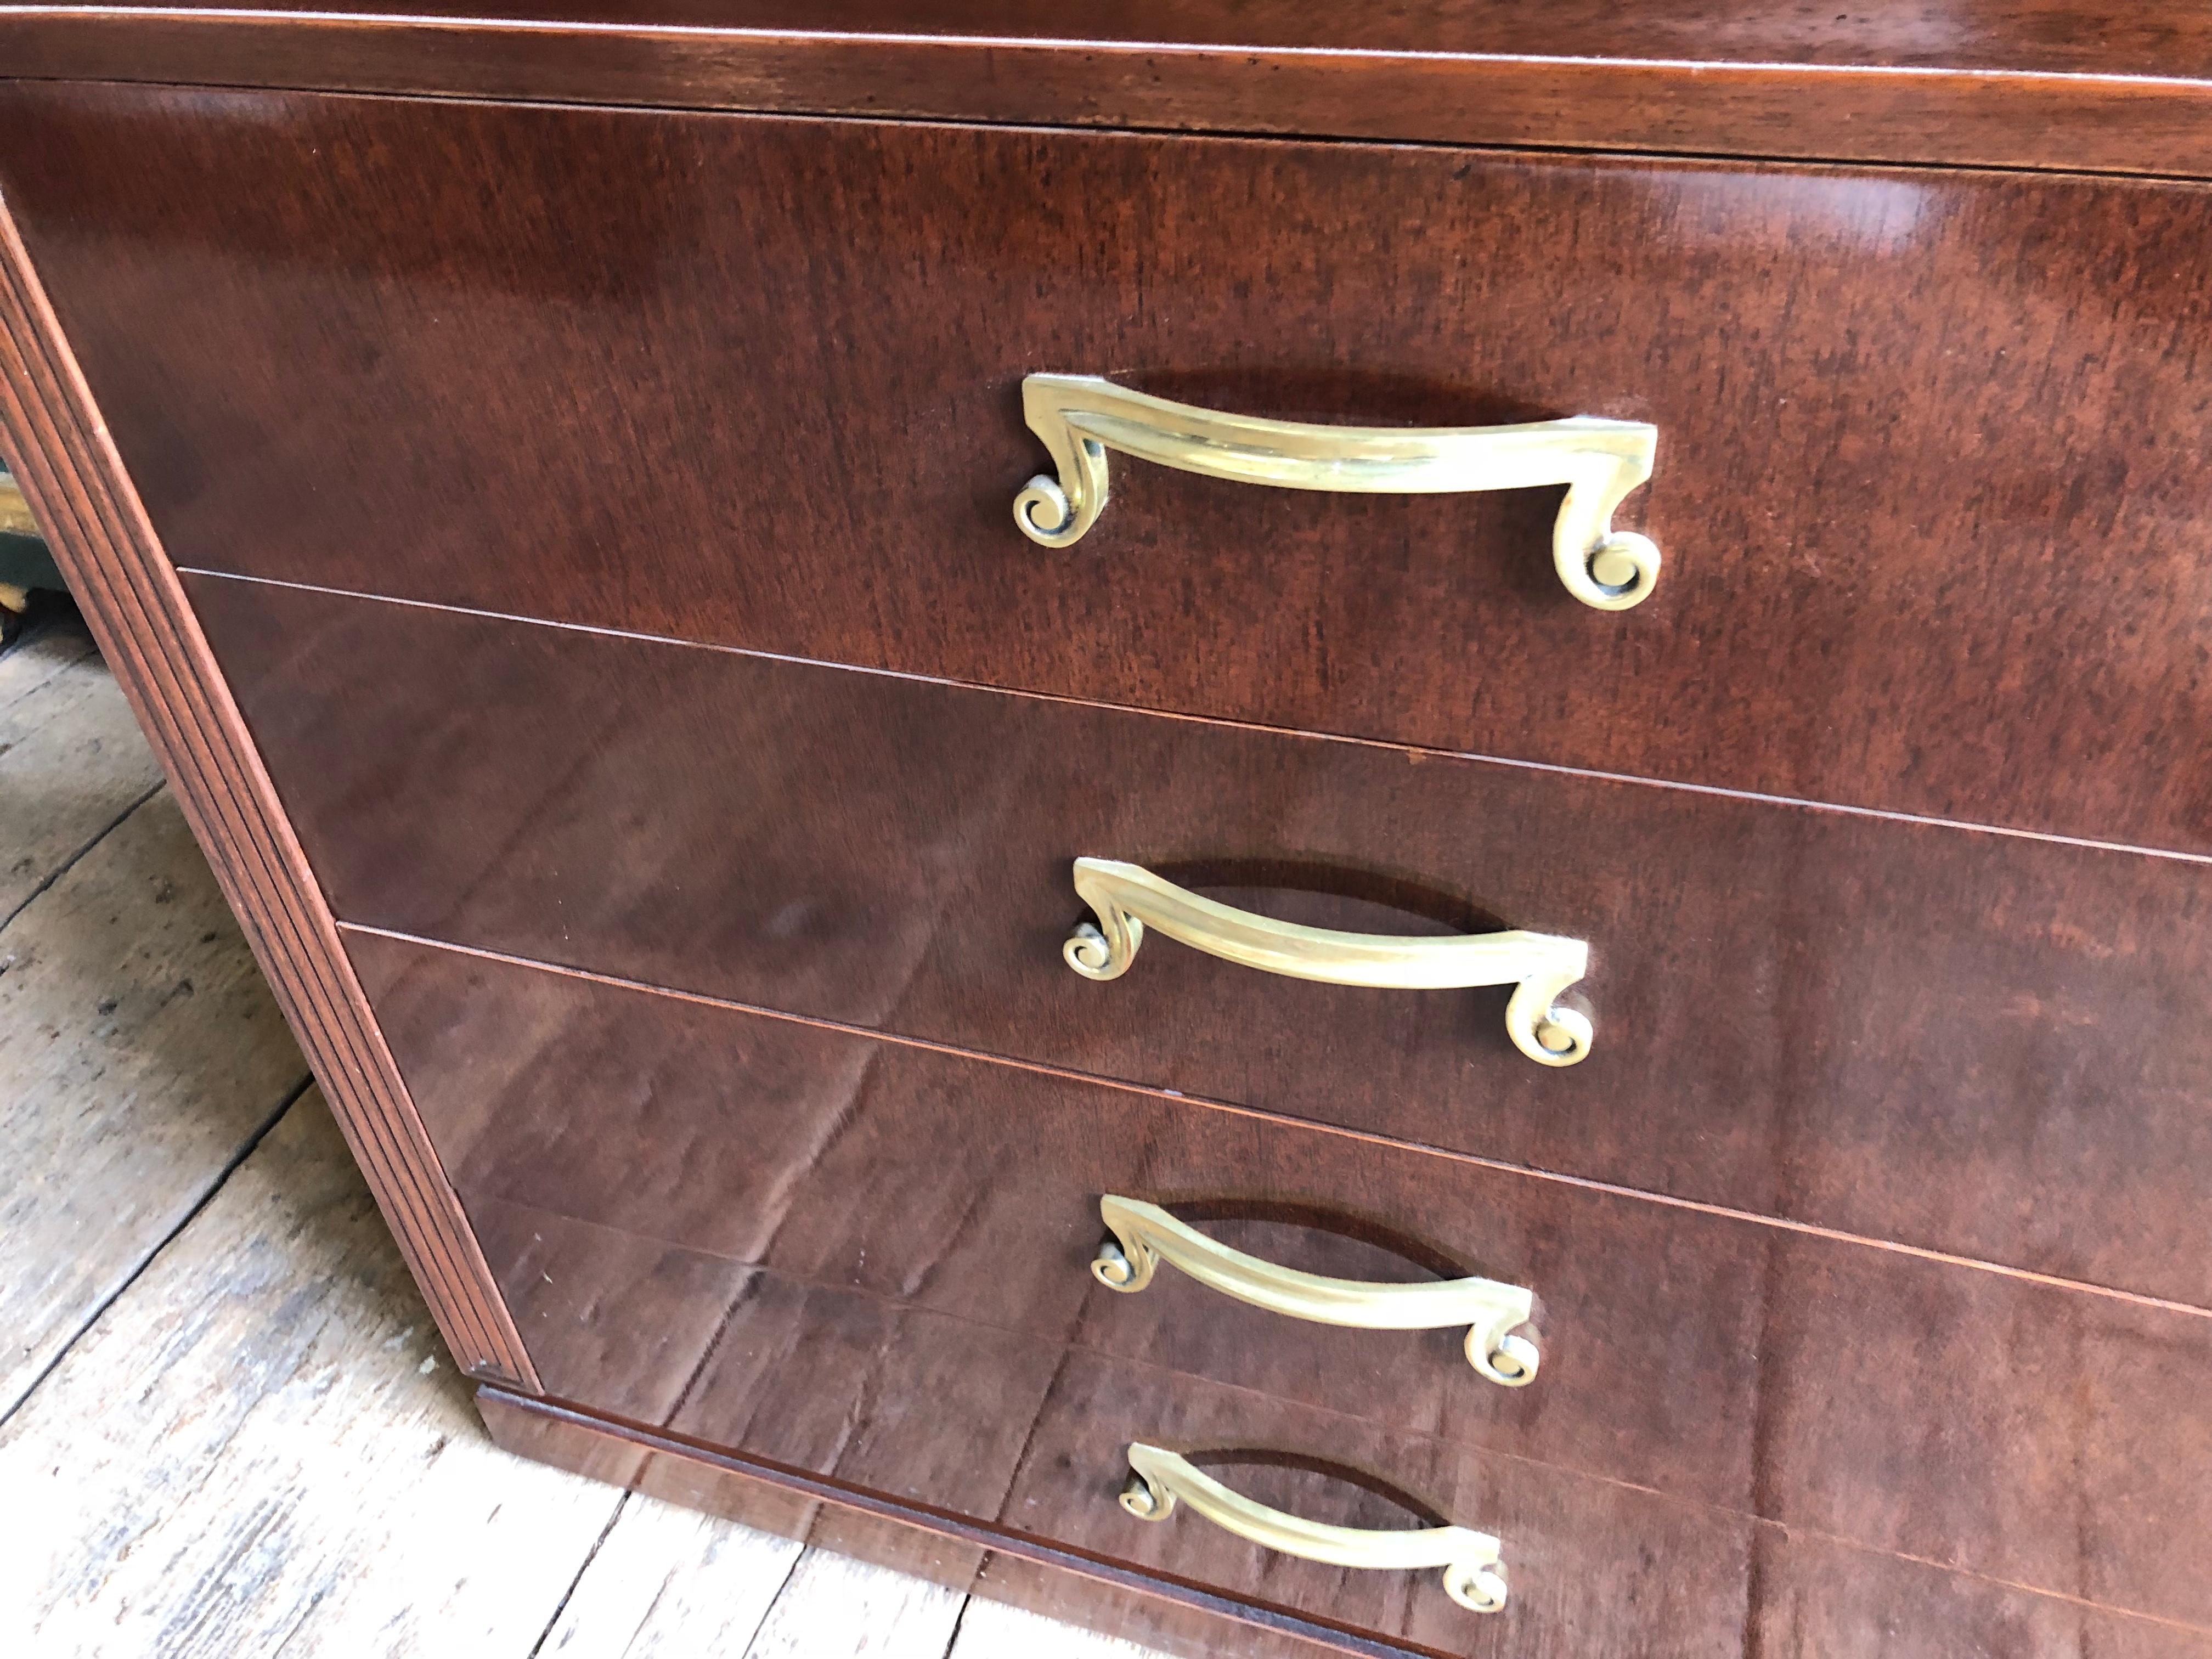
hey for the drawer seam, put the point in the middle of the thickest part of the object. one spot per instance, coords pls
(835, 1489)
(1586, 1183)
(1424, 751)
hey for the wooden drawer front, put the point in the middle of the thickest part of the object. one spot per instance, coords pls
(1031, 1438)
(1928, 485)
(1894, 1029)
(644, 1170)
(1808, 1597)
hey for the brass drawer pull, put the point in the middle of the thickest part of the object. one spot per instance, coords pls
(1080, 416)
(1127, 899)
(1145, 1235)
(1473, 1576)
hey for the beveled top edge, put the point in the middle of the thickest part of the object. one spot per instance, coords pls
(2127, 39)
(2119, 89)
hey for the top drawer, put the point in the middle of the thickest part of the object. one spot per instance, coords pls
(1928, 483)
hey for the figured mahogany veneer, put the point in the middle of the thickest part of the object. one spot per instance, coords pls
(562, 550)
(766, 1236)
(1899, 1030)
(1930, 487)
(1807, 1597)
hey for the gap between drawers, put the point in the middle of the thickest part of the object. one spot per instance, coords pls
(1797, 802)
(1805, 1229)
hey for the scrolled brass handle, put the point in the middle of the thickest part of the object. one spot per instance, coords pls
(1079, 417)
(1127, 899)
(1145, 1235)
(1472, 1576)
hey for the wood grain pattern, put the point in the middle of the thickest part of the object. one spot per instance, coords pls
(1676, 1574)
(48, 650)
(1930, 522)
(669, 1584)
(998, 1630)
(1177, 1618)
(2099, 37)
(692, 1139)
(263, 1447)
(139, 1051)
(351, 1476)
(72, 763)
(1807, 1598)
(1799, 1013)
(834, 1602)
(1590, 1523)
(1818, 1599)
(767, 1236)
(118, 573)
(2003, 86)
(234, 1440)
(1930, 508)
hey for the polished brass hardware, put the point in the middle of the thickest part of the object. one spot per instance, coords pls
(1145, 1234)
(1127, 899)
(1473, 1578)
(1080, 416)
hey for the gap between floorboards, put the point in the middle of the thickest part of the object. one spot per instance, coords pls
(591, 1555)
(291, 1098)
(78, 856)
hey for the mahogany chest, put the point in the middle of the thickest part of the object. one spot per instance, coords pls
(1311, 832)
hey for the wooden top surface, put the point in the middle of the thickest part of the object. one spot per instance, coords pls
(2095, 86)
(2083, 37)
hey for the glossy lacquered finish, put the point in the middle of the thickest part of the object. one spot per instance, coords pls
(1927, 480)
(1165, 1614)
(1979, 1044)
(769, 1236)
(1809, 1598)
(2099, 85)
(2083, 37)
(58, 445)
(1862, 1248)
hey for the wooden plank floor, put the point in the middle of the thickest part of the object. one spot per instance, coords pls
(227, 1426)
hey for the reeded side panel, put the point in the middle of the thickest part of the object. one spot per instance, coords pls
(118, 572)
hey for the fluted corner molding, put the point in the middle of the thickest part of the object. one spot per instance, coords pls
(106, 545)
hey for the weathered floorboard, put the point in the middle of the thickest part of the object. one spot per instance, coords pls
(46, 649)
(140, 1053)
(668, 1584)
(836, 1604)
(264, 1446)
(72, 763)
(992, 1630)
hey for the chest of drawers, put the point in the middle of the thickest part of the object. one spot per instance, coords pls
(1371, 835)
